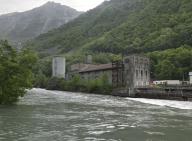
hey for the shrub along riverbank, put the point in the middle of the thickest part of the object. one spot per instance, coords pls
(15, 72)
(77, 84)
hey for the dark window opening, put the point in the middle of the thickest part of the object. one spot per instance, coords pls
(141, 74)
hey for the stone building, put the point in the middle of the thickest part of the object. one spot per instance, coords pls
(97, 71)
(137, 71)
(58, 66)
(132, 72)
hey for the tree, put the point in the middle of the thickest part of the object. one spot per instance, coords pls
(171, 63)
(15, 72)
(165, 70)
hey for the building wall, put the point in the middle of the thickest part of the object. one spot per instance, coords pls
(118, 75)
(96, 74)
(58, 67)
(137, 71)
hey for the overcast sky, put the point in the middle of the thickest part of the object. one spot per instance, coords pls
(9, 6)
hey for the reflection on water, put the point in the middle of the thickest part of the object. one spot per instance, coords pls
(62, 116)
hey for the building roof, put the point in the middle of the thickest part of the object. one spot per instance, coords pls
(97, 68)
(81, 66)
(55, 56)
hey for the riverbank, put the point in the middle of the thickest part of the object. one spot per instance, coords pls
(77, 84)
(102, 87)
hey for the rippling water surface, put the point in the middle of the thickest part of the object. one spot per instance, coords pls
(62, 116)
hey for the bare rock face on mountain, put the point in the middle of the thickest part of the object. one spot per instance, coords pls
(19, 27)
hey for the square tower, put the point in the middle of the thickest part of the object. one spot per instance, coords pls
(137, 71)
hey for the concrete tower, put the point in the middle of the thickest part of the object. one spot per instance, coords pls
(58, 66)
(190, 77)
(137, 71)
(89, 59)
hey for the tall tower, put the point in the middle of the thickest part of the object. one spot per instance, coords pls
(58, 66)
(137, 71)
(190, 77)
(89, 59)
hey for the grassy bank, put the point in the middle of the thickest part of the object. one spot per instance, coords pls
(77, 84)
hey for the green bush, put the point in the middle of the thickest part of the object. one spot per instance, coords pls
(15, 72)
(77, 84)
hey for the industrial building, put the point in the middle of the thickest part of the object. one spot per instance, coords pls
(58, 66)
(136, 71)
(133, 71)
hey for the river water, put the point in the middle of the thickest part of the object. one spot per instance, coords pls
(62, 116)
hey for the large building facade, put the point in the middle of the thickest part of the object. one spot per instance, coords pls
(137, 71)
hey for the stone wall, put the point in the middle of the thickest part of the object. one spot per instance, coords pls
(137, 71)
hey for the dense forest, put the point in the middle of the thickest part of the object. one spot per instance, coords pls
(161, 29)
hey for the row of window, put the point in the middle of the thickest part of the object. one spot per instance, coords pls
(141, 74)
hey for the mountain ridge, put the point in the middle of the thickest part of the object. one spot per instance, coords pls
(22, 26)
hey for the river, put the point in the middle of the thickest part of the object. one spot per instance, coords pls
(63, 116)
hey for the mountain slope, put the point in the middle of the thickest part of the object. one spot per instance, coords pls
(160, 25)
(19, 27)
(124, 26)
(87, 27)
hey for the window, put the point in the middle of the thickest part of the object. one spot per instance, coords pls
(127, 60)
(137, 74)
(146, 74)
(141, 73)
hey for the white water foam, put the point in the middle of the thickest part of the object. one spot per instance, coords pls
(59, 95)
(185, 105)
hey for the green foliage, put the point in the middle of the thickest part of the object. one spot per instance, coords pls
(15, 72)
(76, 84)
(172, 63)
(42, 71)
(124, 26)
(86, 28)
(41, 81)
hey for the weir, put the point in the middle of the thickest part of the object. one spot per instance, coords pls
(169, 93)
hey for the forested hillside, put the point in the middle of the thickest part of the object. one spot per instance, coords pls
(126, 27)
(88, 27)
